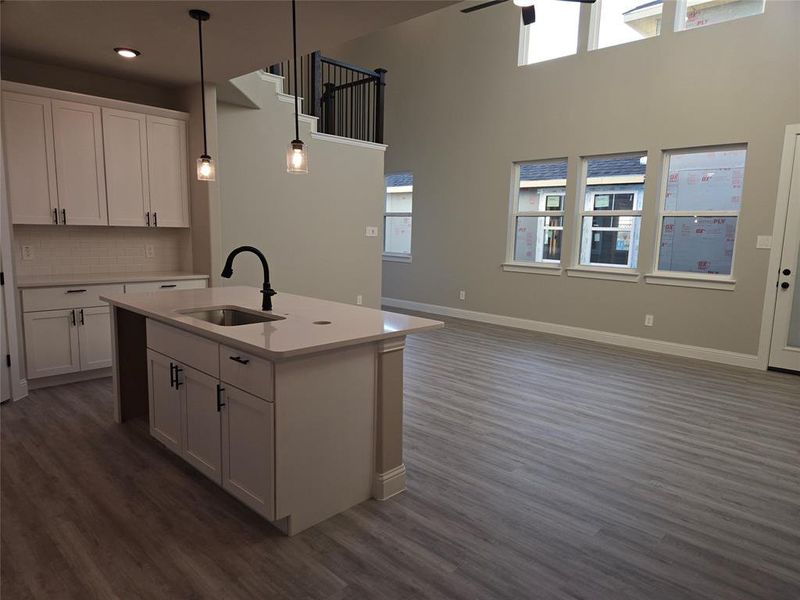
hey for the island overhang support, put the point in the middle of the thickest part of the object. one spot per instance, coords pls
(390, 472)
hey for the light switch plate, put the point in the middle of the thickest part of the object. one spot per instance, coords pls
(27, 253)
(372, 231)
(764, 241)
(149, 251)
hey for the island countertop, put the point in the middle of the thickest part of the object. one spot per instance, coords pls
(337, 325)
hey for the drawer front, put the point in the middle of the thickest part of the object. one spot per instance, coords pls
(73, 296)
(156, 286)
(249, 373)
(184, 347)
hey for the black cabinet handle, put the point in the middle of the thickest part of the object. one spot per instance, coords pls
(73, 317)
(178, 382)
(55, 216)
(64, 216)
(75, 291)
(240, 360)
(82, 320)
(785, 285)
(220, 403)
(147, 217)
(787, 272)
(171, 375)
(155, 219)
(169, 285)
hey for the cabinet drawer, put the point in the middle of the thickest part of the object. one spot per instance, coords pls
(155, 286)
(192, 350)
(74, 296)
(249, 373)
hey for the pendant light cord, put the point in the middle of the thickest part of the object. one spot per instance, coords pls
(202, 84)
(294, 64)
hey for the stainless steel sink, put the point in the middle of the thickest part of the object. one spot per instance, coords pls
(230, 317)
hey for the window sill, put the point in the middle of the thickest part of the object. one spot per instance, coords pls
(401, 258)
(538, 269)
(608, 274)
(688, 280)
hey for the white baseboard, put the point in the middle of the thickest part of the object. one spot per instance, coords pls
(726, 357)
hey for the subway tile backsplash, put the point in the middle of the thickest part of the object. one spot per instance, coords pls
(72, 250)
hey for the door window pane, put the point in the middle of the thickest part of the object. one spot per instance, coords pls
(697, 244)
(622, 21)
(700, 181)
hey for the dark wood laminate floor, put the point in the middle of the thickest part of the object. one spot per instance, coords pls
(539, 467)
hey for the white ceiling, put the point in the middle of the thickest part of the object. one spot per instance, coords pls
(241, 36)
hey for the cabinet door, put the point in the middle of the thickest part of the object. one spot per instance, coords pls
(248, 458)
(169, 182)
(127, 181)
(201, 422)
(51, 343)
(30, 158)
(94, 333)
(165, 402)
(77, 131)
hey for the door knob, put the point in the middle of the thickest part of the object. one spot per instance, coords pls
(785, 285)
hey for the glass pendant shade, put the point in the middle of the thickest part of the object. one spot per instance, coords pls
(206, 169)
(296, 158)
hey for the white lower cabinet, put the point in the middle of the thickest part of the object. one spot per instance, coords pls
(201, 444)
(225, 433)
(51, 343)
(94, 337)
(248, 450)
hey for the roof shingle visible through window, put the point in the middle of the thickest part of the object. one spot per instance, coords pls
(598, 167)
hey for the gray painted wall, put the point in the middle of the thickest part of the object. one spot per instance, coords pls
(460, 111)
(311, 227)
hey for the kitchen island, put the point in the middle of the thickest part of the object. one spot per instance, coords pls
(297, 411)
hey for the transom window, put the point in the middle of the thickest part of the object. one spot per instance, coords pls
(699, 13)
(701, 198)
(554, 34)
(397, 215)
(612, 211)
(537, 215)
(622, 21)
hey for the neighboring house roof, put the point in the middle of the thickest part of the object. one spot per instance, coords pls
(398, 179)
(642, 6)
(598, 167)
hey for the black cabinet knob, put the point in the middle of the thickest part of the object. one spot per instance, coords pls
(787, 272)
(785, 285)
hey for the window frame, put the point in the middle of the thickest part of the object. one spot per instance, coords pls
(543, 267)
(689, 278)
(584, 213)
(397, 256)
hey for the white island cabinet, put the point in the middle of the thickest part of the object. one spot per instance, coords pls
(297, 412)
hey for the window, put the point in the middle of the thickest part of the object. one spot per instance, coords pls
(537, 215)
(554, 34)
(612, 211)
(397, 216)
(622, 21)
(702, 194)
(699, 13)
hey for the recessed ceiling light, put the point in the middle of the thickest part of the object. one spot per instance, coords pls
(127, 52)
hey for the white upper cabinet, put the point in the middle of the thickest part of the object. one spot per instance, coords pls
(80, 172)
(30, 158)
(127, 181)
(169, 180)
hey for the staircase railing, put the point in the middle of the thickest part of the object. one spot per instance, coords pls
(348, 100)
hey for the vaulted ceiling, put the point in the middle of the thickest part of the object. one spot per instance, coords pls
(241, 37)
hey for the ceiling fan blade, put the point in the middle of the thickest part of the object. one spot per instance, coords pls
(475, 7)
(528, 14)
(581, 1)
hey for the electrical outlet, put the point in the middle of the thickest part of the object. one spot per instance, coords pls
(462, 295)
(27, 253)
(149, 251)
(359, 299)
(371, 231)
(648, 320)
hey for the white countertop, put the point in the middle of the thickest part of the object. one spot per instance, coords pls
(295, 335)
(56, 279)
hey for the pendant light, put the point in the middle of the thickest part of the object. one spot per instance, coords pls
(296, 156)
(206, 168)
